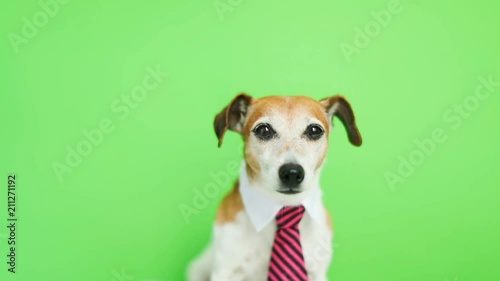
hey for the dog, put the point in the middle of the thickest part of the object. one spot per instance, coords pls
(286, 141)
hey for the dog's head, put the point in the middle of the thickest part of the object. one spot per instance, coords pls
(286, 139)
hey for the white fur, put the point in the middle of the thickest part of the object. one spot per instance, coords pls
(239, 253)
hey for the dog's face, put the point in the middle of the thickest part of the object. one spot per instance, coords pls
(286, 139)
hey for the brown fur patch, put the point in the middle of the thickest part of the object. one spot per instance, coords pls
(329, 222)
(321, 160)
(231, 205)
(345, 113)
(287, 105)
(253, 166)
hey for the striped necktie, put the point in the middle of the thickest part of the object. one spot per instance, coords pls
(287, 261)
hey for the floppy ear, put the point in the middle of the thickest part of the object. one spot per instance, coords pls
(232, 116)
(340, 107)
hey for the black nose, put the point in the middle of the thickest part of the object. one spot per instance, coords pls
(291, 175)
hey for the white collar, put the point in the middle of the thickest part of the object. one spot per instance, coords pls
(262, 209)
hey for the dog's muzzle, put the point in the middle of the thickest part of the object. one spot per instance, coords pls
(291, 175)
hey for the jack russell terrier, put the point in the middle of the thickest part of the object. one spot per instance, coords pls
(273, 225)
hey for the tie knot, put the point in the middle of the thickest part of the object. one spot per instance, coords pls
(289, 217)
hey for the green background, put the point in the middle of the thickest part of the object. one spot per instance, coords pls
(119, 210)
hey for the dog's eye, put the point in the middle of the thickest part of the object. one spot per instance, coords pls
(314, 132)
(264, 132)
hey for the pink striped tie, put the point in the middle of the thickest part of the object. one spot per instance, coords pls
(287, 261)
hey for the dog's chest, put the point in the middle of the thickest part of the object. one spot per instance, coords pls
(247, 253)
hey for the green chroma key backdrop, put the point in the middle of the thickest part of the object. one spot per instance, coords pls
(107, 111)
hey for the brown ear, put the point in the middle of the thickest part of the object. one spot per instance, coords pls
(232, 116)
(340, 107)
